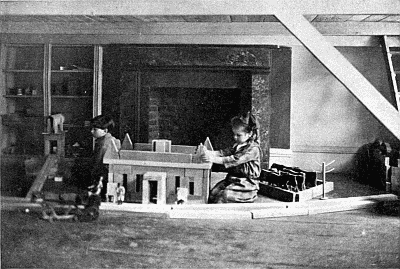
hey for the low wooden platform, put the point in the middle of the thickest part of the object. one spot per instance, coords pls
(290, 196)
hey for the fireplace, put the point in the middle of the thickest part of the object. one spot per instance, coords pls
(186, 116)
(186, 94)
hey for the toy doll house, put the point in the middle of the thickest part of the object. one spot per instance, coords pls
(155, 172)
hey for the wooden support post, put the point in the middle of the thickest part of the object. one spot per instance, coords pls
(342, 69)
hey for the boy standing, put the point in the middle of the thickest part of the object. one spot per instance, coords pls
(101, 126)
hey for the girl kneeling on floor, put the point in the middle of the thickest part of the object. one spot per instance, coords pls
(242, 161)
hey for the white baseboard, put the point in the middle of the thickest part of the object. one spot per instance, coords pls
(281, 156)
(309, 157)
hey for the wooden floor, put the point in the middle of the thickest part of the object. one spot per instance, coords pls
(352, 239)
(367, 238)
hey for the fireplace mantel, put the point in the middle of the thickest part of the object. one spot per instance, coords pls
(250, 58)
(145, 68)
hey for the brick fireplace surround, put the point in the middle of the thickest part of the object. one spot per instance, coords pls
(186, 93)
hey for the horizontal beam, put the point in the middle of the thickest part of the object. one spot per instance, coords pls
(195, 7)
(343, 70)
(195, 28)
(349, 41)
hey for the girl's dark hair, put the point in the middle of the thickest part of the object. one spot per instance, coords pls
(102, 122)
(249, 123)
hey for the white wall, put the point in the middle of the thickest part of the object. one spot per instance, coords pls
(327, 121)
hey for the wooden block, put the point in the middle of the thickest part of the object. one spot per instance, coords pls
(112, 191)
(197, 156)
(196, 177)
(207, 144)
(160, 177)
(127, 143)
(122, 169)
(161, 145)
(338, 205)
(182, 195)
(111, 177)
(206, 184)
(118, 178)
(174, 148)
(278, 212)
(142, 147)
(183, 149)
(59, 138)
(209, 214)
(155, 156)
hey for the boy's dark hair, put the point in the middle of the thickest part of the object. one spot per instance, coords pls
(249, 122)
(102, 122)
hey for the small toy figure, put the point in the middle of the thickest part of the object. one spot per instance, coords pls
(242, 162)
(120, 194)
(56, 122)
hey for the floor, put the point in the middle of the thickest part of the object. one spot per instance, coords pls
(351, 239)
(365, 238)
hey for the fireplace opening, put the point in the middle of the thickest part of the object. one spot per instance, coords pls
(187, 116)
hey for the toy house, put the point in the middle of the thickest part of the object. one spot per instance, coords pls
(154, 172)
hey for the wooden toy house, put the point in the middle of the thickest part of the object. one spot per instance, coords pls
(152, 173)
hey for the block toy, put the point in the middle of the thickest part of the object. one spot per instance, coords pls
(153, 172)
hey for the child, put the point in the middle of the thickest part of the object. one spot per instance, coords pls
(120, 193)
(242, 162)
(101, 126)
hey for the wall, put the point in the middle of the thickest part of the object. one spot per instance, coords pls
(327, 121)
(280, 77)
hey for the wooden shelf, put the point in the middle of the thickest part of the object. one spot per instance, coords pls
(72, 71)
(72, 96)
(23, 71)
(22, 96)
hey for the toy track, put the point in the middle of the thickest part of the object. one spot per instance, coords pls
(51, 162)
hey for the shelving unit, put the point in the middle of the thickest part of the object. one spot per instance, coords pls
(38, 80)
(71, 91)
(22, 88)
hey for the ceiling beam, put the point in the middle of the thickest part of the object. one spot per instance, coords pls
(197, 28)
(195, 7)
(342, 69)
(344, 41)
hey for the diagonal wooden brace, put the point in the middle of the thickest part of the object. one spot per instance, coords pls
(342, 69)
